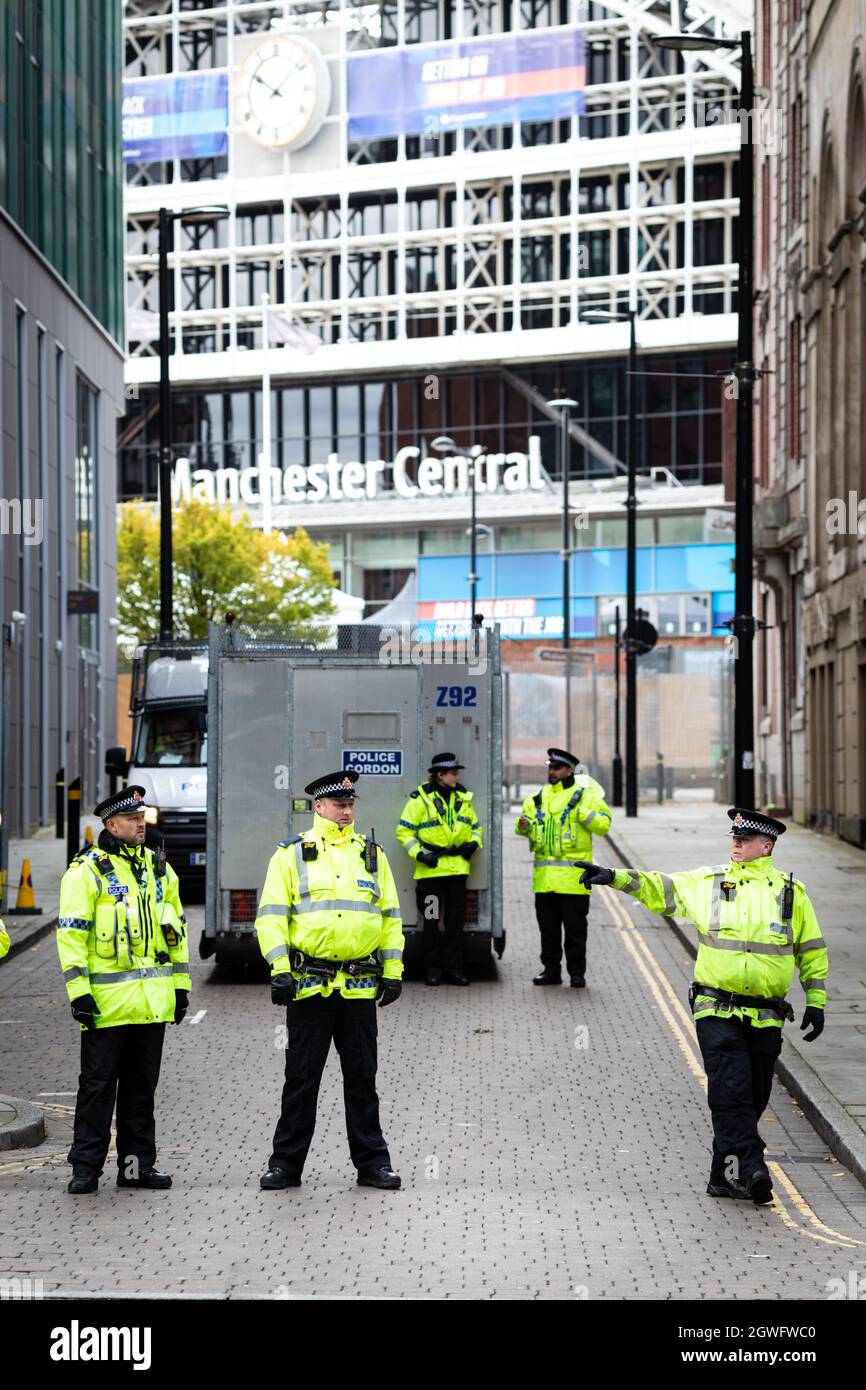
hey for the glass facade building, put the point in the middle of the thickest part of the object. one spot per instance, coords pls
(60, 164)
(61, 391)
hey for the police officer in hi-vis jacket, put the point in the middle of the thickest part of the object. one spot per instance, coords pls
(329, 926)
(559, 821)
(755, 923)
(122, 942)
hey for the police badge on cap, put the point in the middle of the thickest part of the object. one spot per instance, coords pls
(746, 822)
(123, 803)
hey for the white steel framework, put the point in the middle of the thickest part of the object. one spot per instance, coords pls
(472, 246)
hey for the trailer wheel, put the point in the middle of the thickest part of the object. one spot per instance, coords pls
(206, 946)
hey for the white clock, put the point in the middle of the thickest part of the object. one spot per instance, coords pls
(282, 92)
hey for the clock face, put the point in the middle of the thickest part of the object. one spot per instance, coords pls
(282, 91)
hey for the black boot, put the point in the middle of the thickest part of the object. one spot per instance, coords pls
(276, 1178)
(547, 977)
(147, 1177)
(83, 1180)
(759, 1187)
(434, 976)
(728, 1187)
(378, 1177)
(578, 982)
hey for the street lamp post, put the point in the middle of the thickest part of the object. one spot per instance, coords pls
(166, 618)
(444, 444)
(564, 404)
(743, 623)
(165, 246)
(617, 757)
(631, 766)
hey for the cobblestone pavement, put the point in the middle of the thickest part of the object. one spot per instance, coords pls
(553, 1143)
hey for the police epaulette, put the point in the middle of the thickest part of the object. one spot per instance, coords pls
(284, 844)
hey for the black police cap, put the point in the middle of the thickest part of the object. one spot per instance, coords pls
(444, 762)
(559, 755)
(339, 785)
(123, 803)
(746, 822)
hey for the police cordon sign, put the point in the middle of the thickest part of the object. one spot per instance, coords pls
(373, 762)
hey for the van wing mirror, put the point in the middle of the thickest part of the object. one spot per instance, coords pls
(116, 762)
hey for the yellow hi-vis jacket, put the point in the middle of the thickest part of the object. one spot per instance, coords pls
(125, 944)
(332, 907)
(433, 819)
(562, 822)
(5, 943)
(746, 946)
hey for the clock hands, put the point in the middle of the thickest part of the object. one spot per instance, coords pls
(263, 83)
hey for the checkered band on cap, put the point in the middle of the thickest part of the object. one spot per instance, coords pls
(333, 784)
(758, 825)
(129, 799)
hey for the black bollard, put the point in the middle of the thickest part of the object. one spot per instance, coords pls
(73, 820)
(59, 797)
(660, 778)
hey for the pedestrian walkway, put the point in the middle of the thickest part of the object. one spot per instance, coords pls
(829, 1075)
(47, 856)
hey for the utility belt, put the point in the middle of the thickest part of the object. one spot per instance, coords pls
(748, 1001)
(317, 965)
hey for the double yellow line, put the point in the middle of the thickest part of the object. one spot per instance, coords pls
(679, 1021)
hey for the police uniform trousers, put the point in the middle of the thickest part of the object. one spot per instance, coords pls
(313, 1024)
(117, 1065)
(739, 1061)
(441, 906)
(558, 914)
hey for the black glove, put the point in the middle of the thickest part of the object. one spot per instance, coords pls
(593, 874)
(468, 849)
(813, 1018)
(181, 1004)
(428, 857)
(84, 1010)
(388, 991)
(284, 987)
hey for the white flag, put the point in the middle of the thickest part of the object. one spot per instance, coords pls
(280, 330)
(142, 326)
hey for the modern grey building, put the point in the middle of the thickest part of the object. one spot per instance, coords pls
(61, 392)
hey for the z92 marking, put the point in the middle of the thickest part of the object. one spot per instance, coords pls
(456, 695)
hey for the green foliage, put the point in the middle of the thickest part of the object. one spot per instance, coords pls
(220, 563)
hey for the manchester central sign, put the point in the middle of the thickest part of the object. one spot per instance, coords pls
(408, 475)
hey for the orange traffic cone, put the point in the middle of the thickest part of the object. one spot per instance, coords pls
(25, 903)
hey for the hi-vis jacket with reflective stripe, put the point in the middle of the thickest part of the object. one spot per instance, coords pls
(5, 943)
(122, 941)
(330, 907)
(562, 821)
(746, 946)
(437, 819)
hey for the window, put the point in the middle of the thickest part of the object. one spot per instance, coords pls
(259, 225)
(673, 615)
(86, 503)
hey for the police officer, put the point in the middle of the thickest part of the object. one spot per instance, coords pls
(439, 829)
(123, 948)
(753, 924)
(5, 943)
(560, 821)
(329, 925)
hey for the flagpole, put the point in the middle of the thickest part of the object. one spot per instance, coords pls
(265, 456)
